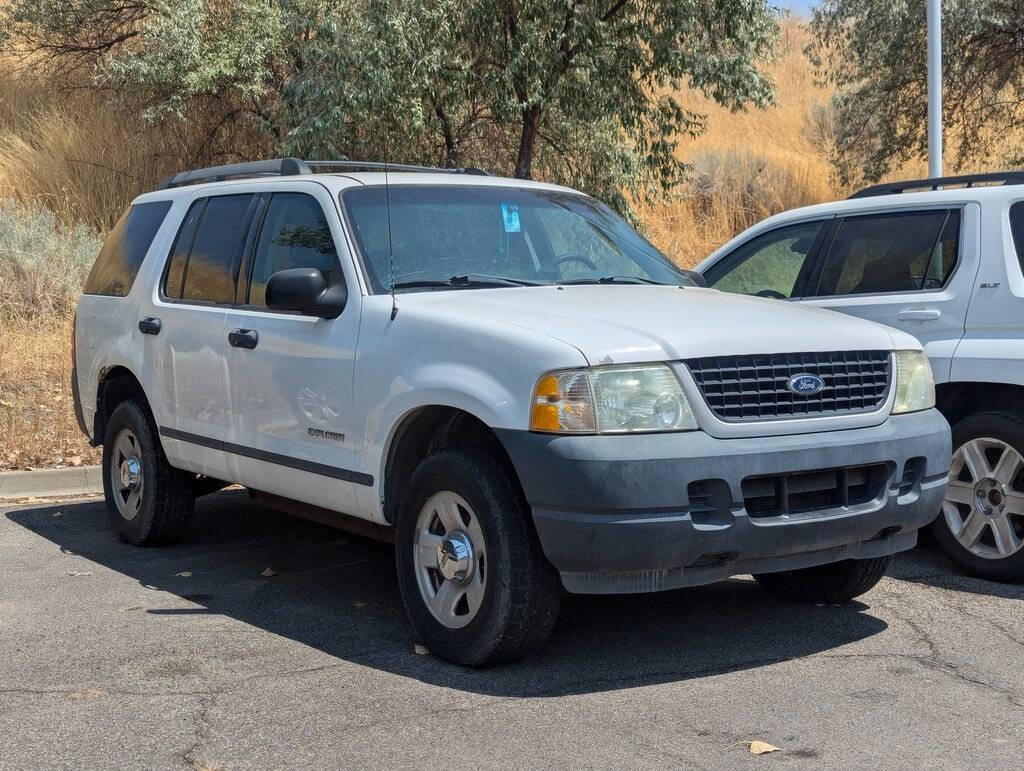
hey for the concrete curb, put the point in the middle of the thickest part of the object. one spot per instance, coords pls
(44, 483)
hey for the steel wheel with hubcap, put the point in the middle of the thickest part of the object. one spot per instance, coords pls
(983, 508)
(981, 525)
(451, 559)
(126, 474)
(474, 580)
(149, 501)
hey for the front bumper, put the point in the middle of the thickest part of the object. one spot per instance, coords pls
(640, 513)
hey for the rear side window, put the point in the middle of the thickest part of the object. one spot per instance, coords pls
(295, 234)
(204, 259)
(121, 256)
(905, 252)
(1017, 229)
(182, 246)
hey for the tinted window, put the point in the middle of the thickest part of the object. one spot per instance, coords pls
(180, 250)
(122, 253)
(892, 253)
(295, 234)
(209, 271)
(1017, 229)
(530, 235)
(768, 264)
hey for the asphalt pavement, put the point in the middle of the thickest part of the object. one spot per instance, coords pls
(268, 641)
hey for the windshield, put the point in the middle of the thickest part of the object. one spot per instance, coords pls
(497, 236)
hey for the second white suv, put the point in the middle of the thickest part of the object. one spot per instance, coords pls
(940, 259)
(506, 380)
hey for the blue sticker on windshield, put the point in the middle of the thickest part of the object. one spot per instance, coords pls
(510, 213)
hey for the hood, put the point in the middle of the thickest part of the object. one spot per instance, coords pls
(621, 324)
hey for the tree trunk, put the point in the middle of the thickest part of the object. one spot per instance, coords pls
(527, 141)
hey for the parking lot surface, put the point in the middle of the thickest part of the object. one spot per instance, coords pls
(267, 641)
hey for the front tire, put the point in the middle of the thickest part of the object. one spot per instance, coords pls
(474, 580)
(149, 501)
(981, 526)
(833, 583)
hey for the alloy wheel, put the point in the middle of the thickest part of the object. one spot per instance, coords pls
(984, 505)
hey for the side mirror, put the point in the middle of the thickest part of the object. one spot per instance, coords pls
(305, 290)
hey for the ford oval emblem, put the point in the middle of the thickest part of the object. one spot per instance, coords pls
(805, 384)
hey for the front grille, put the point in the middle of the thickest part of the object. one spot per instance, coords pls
(810, 491)
(744, 388)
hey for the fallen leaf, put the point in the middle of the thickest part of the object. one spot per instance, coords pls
(184, 574)
(421, 650)
(268, 573)
(758, 747)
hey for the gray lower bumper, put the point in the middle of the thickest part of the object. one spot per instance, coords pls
(647, 512)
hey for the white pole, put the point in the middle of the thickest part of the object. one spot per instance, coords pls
(934, 88)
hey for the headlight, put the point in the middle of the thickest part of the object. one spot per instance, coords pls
(915, 386)
(609, 400)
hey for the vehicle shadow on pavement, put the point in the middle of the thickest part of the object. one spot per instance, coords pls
(337, 592)
(931, 567)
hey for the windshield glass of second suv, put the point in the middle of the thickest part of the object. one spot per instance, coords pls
(480, 236)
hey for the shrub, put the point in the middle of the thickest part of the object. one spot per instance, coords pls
(43, 263)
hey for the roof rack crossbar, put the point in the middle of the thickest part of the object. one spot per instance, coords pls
(287, 167)
(968, 180)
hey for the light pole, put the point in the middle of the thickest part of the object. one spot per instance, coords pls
(934, 88)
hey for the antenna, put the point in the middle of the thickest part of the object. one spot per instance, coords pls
(391, 246)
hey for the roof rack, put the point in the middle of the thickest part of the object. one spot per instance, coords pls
(289, 167)
(968, 180)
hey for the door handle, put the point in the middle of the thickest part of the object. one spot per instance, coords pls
(244, 338)
(150, 326)
(919, 314)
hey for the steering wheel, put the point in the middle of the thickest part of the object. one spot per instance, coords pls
(576, 258)
(772, 294)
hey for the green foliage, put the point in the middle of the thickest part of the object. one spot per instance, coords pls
(875, 53)
(587, 93)
(185, 48)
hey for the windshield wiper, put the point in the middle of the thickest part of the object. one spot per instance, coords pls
(466, 280)
(612, 280)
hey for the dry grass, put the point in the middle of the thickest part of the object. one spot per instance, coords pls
(71, 152)
(37, 416)
(751, 164)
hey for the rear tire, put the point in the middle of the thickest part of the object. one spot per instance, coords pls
(148, 501)
(475, 583)
(985, 535)
(837, 582)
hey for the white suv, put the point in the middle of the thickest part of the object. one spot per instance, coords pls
(940, 259)
(504, 378)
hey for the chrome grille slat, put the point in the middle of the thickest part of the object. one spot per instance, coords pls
(746, 388)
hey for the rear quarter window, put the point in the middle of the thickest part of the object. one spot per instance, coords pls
(1017, 230)
(122, 254)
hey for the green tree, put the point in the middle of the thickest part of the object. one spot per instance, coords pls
(583, 92)
(589, 92)
(875, 53)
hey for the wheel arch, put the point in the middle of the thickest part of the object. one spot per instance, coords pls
(957, 400)
(116, 384)
(424, 431)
